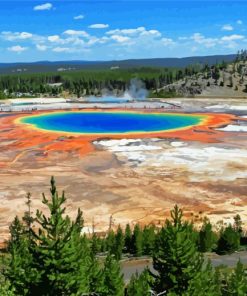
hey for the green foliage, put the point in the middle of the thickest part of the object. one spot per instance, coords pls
(2, 95)
(233, 282)
(47, 255)
(94, 275)
(119, 243)
(137, 240)
(148, 239)
(58, 246)
(237, 285)
(128, 239)
(229, 241)
(92, 82)
(139, 285)
(204, 283)
(110, 242)
(113, 284)
(238, 224)
(20, 270)
(207, 238)
(6, 289)
(175, 259)
(54, 259)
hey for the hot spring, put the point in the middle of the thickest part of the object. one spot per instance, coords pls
(111, 122)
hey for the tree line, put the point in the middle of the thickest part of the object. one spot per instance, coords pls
(141, 241)
(94, 82)
(48, 255)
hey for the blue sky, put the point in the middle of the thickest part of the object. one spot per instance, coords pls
(108, 30)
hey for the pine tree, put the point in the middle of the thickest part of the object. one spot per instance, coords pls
(139, 285)
(204, 283)
(59, 248)
(207, 238)
(238, 224)
(128, 239)
(20, 270)
(148, 239)
(110, 242)
(119, 243)
(6, 289)
(237, 282)
(137, 240)
(229, 241)
(113, 284)
(175, 258)
(95, 274)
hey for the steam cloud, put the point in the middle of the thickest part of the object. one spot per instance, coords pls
(137, 90)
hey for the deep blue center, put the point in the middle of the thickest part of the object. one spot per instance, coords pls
(110, 122)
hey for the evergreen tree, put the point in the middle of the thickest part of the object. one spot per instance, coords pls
(119, 243)
(175, 258)
(110, 242)
(128, 239)
(95, 274)
(237, 283)
(229, 241)
(204, 283)
(207, 238)
(94, 244)
(52, 259)
(20, 270)
(6, 289)
(139, 285)
(148, 239)
(113, 284)
(137, 240)
(59, 247)
(238, 224)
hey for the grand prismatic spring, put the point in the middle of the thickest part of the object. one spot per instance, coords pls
(132, 164)
(82, 122)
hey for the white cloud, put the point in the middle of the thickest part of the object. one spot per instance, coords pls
(239, 22)
(45, 6)
(200, 39)
(53, 38)
(17, 48)
(167, 41)
(79, 17)
(227, 27)
(98, 26)
(76, 33)
(119, 38)
(126, 31)
(128, 42)
(41, 47)
(11, 36)
(232, 37)
(139, 32)
(150, 33)
(61, 49)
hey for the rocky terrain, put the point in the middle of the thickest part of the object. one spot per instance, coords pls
(229, 80)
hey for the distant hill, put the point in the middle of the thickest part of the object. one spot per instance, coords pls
(59, 66)
(229, 80)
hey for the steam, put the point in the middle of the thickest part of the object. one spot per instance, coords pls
(137, 90)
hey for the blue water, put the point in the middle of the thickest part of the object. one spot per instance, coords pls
(108, 100)
(110, 122)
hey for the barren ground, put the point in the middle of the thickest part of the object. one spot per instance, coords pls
(132, 180)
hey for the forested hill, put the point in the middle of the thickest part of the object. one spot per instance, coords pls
(60, 66)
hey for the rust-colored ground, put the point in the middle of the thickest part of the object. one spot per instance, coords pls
(105, 183)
